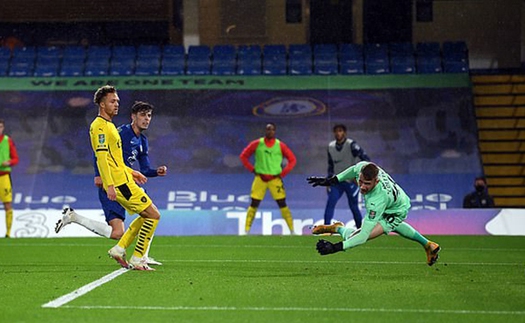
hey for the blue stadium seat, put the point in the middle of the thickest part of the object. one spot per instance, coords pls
(428, 65)
(274, 65)
(96, 66)
(173, 51)
(99, 52)
(74, 51)
(300, 63)
(376, 54)
(198, 65)
(26, 53)
(21, 70)
(352, 67)
(172, 65)
(5, 53)
(455, 52)
(326, 66)
(377, 67)
(124, 52)
(455, 67)
(400, 49)
(249, 51)
(223, 68)
(325, 49)
(122, 67)
(72, 70)
(146, 65)
(249, 65)
(199, 51)
(151, 51)
(274, 50)
(351, 53)
(302, 49)
(403, 64)
(43, 70)
(224, 52)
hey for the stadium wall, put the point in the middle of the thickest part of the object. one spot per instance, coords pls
(420, 128)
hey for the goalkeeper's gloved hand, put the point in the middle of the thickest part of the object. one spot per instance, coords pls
(326, 247)
(322, 181)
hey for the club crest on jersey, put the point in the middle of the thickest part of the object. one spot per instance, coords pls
(101, 138)
(372, 214)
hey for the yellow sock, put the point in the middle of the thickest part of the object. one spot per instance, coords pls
(131, 232)
(287, 216)
(146, 232)
(250, 215)
(8, 222)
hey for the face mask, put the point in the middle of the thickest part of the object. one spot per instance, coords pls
(480, 188)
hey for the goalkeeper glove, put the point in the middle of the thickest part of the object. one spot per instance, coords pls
(322, 181)
(326, 247)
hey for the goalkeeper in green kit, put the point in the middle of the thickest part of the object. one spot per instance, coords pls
(386, 206)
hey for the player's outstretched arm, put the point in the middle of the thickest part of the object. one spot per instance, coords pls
(322, 181)
(325, 247)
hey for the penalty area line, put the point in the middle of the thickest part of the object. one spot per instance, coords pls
(84, 289)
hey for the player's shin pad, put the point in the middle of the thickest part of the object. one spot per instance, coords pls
(326, 247)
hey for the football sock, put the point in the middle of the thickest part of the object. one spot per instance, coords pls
(130, 234)
(8, 222)
(287, 216)
(100, 228)
(345, 232)
(407, 231)
(250, 215)
(147, 250)
(146, 232)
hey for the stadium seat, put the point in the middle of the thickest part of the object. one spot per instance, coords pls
(325, 49)
(429, 65)
(172, 65)
(198, 65)
(274, 65)
(150, 51)
(124, 52)
(301, 49)
(400, 49)
(403, 64)
(372, 67)
(96, 66)
(46, 70)
(300, 63)
(122, 67)
(72, 70)
(249, 66)
(351, 53)
(173, 51)
(352, 67)
(244, 51)
(274, 51)
(199, 51)
(5, 53)
(376, 54)
(325, 66)
(455, 67)
(223, 68)
(25, 53)
(98, 52)
(147, 65)
(21, 70)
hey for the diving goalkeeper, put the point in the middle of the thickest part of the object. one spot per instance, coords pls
(386, 206)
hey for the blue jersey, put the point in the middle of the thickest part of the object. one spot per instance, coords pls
(134, 148)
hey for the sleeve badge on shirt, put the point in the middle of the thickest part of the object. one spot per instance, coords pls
(101, 138)
(372, 214)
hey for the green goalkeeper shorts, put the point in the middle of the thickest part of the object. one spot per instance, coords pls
(389, 222)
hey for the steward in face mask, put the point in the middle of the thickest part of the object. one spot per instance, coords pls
(480, 198)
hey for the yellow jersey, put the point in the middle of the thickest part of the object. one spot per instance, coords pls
(107, 145)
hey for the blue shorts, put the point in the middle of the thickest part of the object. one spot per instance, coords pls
(112, 209)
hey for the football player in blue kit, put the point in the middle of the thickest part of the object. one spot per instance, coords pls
(134, 148)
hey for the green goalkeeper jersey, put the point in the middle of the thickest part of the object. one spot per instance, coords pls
(386, 198)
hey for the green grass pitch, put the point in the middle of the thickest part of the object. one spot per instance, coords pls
(267, 279)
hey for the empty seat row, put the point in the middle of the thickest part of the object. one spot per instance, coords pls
(296, 59)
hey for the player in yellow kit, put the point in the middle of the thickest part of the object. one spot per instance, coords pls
(118, 181)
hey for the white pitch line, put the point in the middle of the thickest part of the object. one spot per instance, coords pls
(343, 262)
(299, 309)
(84, 289)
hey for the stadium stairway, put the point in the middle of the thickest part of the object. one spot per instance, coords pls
(500, 111)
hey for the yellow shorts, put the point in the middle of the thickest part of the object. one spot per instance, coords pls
(275, 186)
(6, 194)
(132, 198)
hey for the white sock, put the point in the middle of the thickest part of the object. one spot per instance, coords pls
(146, 254)
(99, 228)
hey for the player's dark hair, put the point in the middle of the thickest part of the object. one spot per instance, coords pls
(481, 178)
(2, 121)
(339, 126)
(271, 123)
(370, 171)
(140, 106)
(102, 92)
